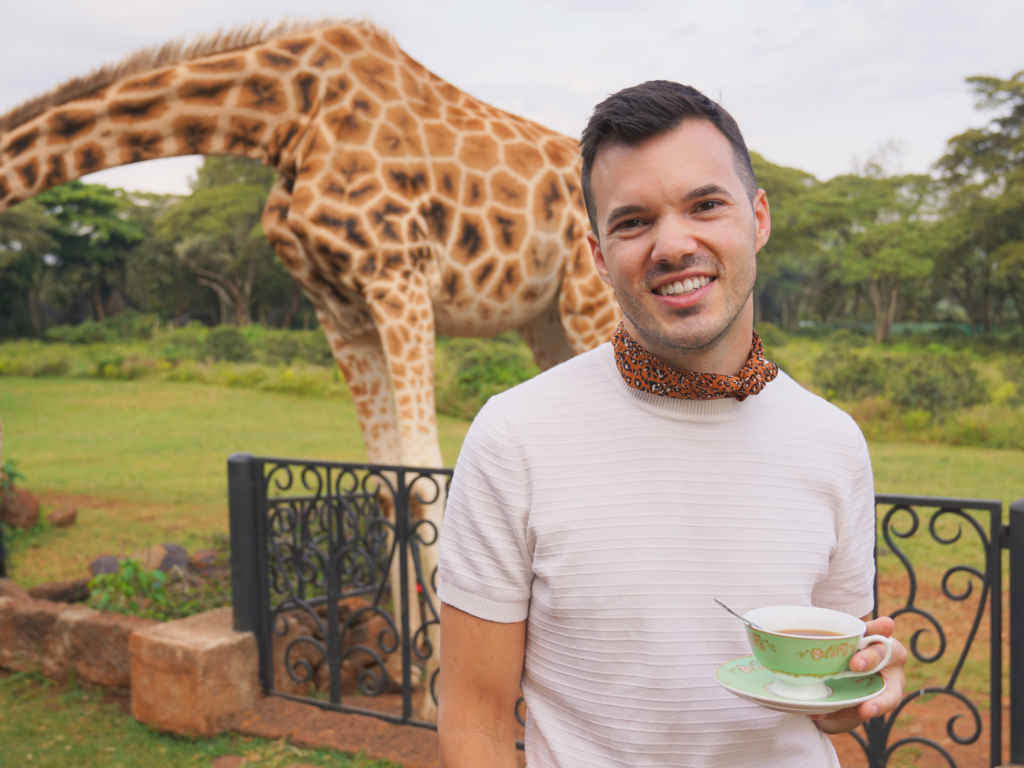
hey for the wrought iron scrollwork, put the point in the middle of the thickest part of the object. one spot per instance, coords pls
(902, 521)
(336, 535)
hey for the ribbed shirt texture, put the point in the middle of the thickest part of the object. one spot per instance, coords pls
(609, 518)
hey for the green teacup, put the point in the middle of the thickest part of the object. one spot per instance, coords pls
(804, 646)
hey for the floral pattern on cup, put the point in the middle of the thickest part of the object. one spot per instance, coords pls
(761, 643)
(843, 649)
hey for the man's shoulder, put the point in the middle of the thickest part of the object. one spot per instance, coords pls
(573, 381)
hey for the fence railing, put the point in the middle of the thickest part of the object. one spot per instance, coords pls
(319, 547)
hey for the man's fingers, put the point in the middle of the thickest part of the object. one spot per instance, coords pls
(869, 658)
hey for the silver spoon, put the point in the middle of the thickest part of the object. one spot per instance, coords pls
(750, 624)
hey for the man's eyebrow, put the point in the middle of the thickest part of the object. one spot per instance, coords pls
(705, 191)
(624, 210)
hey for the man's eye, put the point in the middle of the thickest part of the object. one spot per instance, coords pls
(707, 205)
(629, 224)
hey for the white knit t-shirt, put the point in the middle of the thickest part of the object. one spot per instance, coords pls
(609, 518)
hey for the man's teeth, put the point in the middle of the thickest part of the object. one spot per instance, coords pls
(689, 285)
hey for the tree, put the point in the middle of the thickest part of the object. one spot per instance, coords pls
(983, 173)
(788, 264)
(224, 245)
(95, 233)
(875, 235)
(26, 240)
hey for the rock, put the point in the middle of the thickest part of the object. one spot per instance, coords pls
(64, 517)
(103, 564)
(194, 676)
(163, 557)
(26, 632)
(9, 589)
(73, 591)
(348, 607)
(203, 561)
(298, 650)
(20, 509)
(57, 639)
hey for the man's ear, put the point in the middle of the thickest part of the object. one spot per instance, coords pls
(595, 251)
(763, 218)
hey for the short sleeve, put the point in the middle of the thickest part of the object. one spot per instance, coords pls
(849, 585)
(484, 567)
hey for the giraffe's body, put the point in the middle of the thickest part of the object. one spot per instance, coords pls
(404, 207)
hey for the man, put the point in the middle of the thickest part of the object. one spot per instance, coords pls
(597, 509)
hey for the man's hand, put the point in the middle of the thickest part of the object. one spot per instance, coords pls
(847, 719)
(481, 666)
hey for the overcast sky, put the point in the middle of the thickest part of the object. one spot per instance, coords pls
(813, 83)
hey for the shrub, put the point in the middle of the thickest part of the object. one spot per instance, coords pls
(847, 375)
(470, 371)
(280, 348)
(771, 335)
(124, 326)
(938, 384)
(226, 342)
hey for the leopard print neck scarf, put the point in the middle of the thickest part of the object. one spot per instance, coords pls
(642, 370)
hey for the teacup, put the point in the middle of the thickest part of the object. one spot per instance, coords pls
(801, 662)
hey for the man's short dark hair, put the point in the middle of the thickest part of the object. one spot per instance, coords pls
(651, 109)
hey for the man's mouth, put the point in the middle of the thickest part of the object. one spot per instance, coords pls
(683, 287)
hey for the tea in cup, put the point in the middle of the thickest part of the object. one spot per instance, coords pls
(804, 647)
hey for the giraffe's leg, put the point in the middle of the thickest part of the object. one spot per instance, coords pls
(586, 306)
(546, 338)
(364, 366)
(403, 314)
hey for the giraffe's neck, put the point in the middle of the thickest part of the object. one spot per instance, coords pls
(253, 102)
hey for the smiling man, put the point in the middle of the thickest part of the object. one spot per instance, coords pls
(598, 509)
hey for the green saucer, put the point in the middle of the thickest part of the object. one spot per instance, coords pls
(746, 678)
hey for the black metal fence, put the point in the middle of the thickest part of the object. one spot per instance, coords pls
(316, 556)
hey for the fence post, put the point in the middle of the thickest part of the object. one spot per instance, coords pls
(245, 543)
(1017, 632)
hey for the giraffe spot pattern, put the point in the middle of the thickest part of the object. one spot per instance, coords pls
(206, 92)
(89, 158)
(70, 123)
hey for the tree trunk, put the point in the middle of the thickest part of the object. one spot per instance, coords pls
(884, 302)
(296, 301)
(97, 302)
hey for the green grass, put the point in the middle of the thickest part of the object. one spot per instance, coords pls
(48, 726)
(145, 461)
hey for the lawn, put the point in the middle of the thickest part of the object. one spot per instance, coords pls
(47, 726)
(145, 461)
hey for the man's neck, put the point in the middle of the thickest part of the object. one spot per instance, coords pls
(726, 356)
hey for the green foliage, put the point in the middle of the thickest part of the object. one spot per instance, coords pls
(9, 476)
(228, 343)
(938, 384)
(135, 591)
(131, 590)
(470, 371)
(124, 326)
(845, 375)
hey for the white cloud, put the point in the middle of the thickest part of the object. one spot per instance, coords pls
(812, 84)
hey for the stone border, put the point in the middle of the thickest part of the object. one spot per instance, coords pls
(61, 639)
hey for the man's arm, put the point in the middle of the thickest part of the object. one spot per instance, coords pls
(481, 666)
(847, 719)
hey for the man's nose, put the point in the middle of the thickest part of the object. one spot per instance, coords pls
(674, 239)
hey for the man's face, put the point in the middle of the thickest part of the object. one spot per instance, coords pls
(678, 238)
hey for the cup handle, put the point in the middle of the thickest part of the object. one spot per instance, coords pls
(886, 641)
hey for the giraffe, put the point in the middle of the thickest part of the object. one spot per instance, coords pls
(403, 206)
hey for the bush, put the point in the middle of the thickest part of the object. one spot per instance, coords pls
(771, 335)
(847, 375)
(938, 384)
(227, 343)
(280, 348)
(124, 326)
(470, 371)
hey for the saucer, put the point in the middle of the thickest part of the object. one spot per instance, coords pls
(746, 678)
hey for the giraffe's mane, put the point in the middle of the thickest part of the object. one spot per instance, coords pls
(165, 55)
